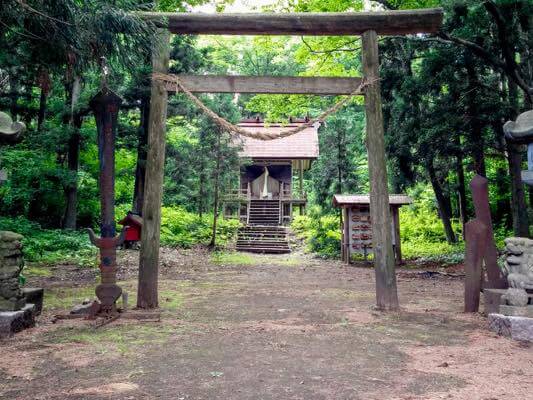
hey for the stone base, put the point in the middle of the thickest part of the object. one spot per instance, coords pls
(517, 328)
(15, 321)
(34, 296)
(493, 300)
(12, 304)
(514, 311)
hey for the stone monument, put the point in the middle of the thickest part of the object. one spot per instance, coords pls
(511, 311)
(16, 313)
(10, 132)
(521, 132)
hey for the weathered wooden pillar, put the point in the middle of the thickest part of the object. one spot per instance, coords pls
(386, 292)
(397, 241)
(150, 236)
(476, 234)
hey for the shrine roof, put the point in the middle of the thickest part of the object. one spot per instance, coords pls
(302, 145)
(340, 200)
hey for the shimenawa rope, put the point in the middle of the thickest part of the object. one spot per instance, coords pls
(229, 127)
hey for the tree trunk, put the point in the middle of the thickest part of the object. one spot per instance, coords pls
(442, 203)
(42, 110)
(386, 290)
(461, 191)
(476, 128)
(518, 200)
(514, 157)
(73, 156)
(140, 169)
(215, 202)
(147, 295)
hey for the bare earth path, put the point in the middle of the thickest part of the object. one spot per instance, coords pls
(268, 328)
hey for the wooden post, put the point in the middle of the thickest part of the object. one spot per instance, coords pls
(397, 243)
(476, 234)
(386, 292)
(150, 236)
(480, 197)
(301, 178)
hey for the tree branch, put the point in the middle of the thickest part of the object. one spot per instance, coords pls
(507, 49)
(340, 48)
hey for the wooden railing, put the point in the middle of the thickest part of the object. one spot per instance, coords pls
(236, 194)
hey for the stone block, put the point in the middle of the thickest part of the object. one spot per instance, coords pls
(517, 328)
(10, 271)
(492, 300)
(516, 311)
(34, 296)
(7, 236)
(12, 304)
(15, 321)
(516, 297)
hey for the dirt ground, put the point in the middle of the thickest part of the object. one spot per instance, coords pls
(259, 327)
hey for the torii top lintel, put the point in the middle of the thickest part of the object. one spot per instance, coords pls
(401, 22)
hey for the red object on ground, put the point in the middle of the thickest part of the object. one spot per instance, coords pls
(134, 223)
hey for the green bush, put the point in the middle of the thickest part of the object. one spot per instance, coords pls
(179, 228)
(184, 229)
(321, 233)
(51, 245)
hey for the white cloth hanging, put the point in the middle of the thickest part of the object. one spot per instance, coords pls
(265, 184)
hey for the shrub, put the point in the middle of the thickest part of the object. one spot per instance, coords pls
(184, 229)
(51, 245)
(321, 234)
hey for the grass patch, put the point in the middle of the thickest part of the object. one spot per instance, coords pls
(237, 258)
(66, 298)
(124, 338)
(36, 270)
(233, 258)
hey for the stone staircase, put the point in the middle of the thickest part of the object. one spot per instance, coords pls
(263, 233)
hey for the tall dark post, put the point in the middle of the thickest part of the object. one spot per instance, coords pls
(105, 106)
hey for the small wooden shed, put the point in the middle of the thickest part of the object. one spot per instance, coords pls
(357, 224)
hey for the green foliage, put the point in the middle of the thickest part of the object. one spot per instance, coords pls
(50, 246)
(321, 234)
(185, 229)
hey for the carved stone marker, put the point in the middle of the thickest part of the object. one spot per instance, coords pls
(513, 314)
(15, 313)
(11, 264)
(10, 132)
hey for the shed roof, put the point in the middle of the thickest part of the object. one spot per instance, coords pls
(340, 200)
(302, 145)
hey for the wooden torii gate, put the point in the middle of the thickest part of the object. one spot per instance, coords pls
(366, 24)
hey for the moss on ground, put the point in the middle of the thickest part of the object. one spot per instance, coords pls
(238, 258)
(36, 270)
(66, 298)
(124, 338)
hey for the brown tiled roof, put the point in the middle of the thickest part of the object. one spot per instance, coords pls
(353, 199)
(303, 145)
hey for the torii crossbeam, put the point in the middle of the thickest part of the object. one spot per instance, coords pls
(368, 24)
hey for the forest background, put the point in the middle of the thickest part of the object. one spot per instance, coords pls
(446, 98)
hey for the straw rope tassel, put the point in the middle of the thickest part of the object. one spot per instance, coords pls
(229, 127)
